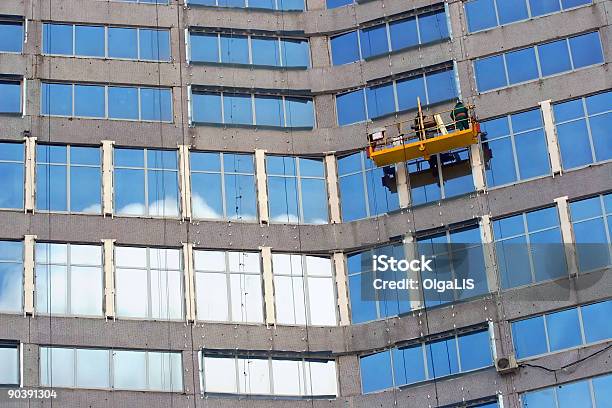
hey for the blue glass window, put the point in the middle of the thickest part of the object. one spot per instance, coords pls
(56, 99)
(367, 304)
(295, 53)
(269, 111)
(68, 178)
(510, 11)
(441, 86)
(156, 104)
(433, 27)
(602, 387)
(581, 132)
(265, 51)
(146, 170)
(408, 90)
(518, 148)
(381, 100)
(591, 220)
(529, 337)
(374, 41)
(223, 186)
(89, 101)
(204, 47)
(234, 49)
(563, 329)
(345, 48)
(207, 108)
(362, 193)
(10, 96)
(11, 275)
(539, 7)
(490, 73)
(586, 50)
(338, 3)
(154, 44)
(351, 107)
(299, 112)
(403, 34)
(122, 42)
(297, 192)
(237, 109)
(57, 39)
(574, 394)
(595, 318)
(480, 14)
(288, 5)
(89, 41)
(534, 236)
(554, 57)
(123, 103)
(443, 358)
(11, 175)
(11, 36)
(522, 65)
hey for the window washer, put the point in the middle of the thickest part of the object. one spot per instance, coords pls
(459, 115)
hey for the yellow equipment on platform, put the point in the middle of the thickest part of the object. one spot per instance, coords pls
(428, 136)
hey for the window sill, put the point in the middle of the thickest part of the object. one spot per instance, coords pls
(249, 66)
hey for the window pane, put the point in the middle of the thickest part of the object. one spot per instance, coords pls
(122, 103)
(129, 370)
(376, 372)
(240, 197)
(57, 367)
(381, 100)
(165, 371)
(207, 200)
(554, 57)
(595, 318)
(408, 90)
(9, 373)
(350, 107)
(265, 51)
(603, 390)
(599, 103)
(442, 358)
(433, 27)
(234, 50)
(337, 3)
(574, 144)
(122, 43)
(345, 48)
(163, 193)
(539, 399)
(269, 111)
(263, 4)
(207, 108)
(403, 34)
(408, 365)
(374, 41)
(295, 53)
(323, 378)
(283, 199)
(314, 201)
(299, 112)
(220, 375)
(51, 188)
(532, 154)
(602, 142)
(490, 73)
(129, 192)
(89, 41)
(211, 296)
(57, 39)
(12, 182)
(352, 196)
(154, 45)
(475, 351)
(156, 104)
(480, 14)
(291, 5)
(237, 109)
(574, 3)
(11, 37)
(576, 394)
(563, 329)
(529, 337)
(521, 65)
(441, 86)
(539, 7)
(86, 291)
(131, 298)
(56, 99)
(92, 369)
(89, 101)
(586, 50)
(11, 283)
(204, 47)
(511, 10)
(287, 377)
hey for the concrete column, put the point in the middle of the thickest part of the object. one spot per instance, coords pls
(262, 186)
(567, 235)
(486, 235)
(30, 174)
(403, 185)
(190, 297)
(109, 278)
(185, 181)
(268, 278)
(410, 252)
(342, 288)
(333, 195)
(28, 274)
(551, 137)
(478, 168)
(107, 177)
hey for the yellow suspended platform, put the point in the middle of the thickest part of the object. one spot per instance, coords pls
(401, 150)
